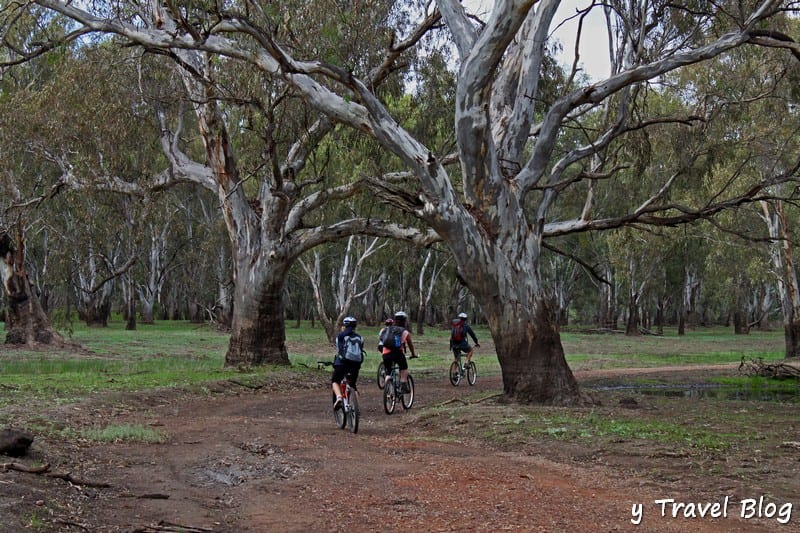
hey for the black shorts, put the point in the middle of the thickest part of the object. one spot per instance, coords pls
(395, 357)
(463, 346)
(348, 367)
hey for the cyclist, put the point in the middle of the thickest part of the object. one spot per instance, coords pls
(395, 351)
(458, 337)
(349, 356)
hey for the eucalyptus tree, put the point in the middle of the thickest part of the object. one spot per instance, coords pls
(346, 280)
(260, 153)
(495, 211)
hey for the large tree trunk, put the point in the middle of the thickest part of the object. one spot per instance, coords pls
(532, 357)
(258, 335)
(506, 281)
(26, 321)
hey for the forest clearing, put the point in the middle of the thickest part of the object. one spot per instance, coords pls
(258, 451)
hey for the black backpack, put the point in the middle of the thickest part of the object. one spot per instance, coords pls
(393, 337)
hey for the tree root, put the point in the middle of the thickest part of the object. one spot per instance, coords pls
(45, 470)
(757, 367)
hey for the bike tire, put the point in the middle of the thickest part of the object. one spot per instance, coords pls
(455, 374)
(407, 398)
(389, 397)
(338, 414)
(381, 378)
(472, 373)
(353, 413)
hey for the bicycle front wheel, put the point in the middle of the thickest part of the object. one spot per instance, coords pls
(455, 374)
(389, 396)
(353, 413)
(472, 373)
(338, 414)
(381, 375)
(407, 398)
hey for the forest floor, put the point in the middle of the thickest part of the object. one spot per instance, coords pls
(269, 458)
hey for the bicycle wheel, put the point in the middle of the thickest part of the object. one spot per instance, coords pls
(381, 375)
(455, 374)
(389, 396)
(472, 373)
(338, 414)
(353, 412)
(407, 399)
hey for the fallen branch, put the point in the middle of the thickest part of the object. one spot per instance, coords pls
(757, 367)
(165, 527)
(69, 478)
(45, 470)
(466, 402)
(71, 524)
(22, 468)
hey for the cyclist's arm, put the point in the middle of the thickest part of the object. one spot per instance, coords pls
(411, 346)
(472, 334)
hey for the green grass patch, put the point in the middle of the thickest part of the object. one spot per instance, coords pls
(124, 433)
(595, 426)
(180, 354)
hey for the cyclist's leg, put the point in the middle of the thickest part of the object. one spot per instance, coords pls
(353, 370)
(403, 364)
(470, 349)
(336, 377)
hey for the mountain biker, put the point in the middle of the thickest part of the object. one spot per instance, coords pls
(343, 366)
(458, 337)
(397, 354)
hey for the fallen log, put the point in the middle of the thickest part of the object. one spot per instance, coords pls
(757, 367)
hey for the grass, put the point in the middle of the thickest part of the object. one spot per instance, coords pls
(602, 429)
(124, 433)
(179, 354)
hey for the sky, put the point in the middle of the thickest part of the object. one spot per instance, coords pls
(594, 43)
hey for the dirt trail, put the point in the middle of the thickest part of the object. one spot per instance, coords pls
(275, 462)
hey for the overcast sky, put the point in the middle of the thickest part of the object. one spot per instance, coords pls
(594, 43)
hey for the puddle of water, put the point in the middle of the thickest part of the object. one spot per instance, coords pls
(710, 391)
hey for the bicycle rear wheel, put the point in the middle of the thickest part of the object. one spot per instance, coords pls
(381, 375)
(407, 398)
(338, 414)
(472, 373)
(455, 374)
(389, 396)
(353, 413)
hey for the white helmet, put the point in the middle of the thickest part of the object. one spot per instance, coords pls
(349, 321)
(400, 314)
(462, 315)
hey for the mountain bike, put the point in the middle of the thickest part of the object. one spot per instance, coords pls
(348, 413)
(391, 391)
(459, 371)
